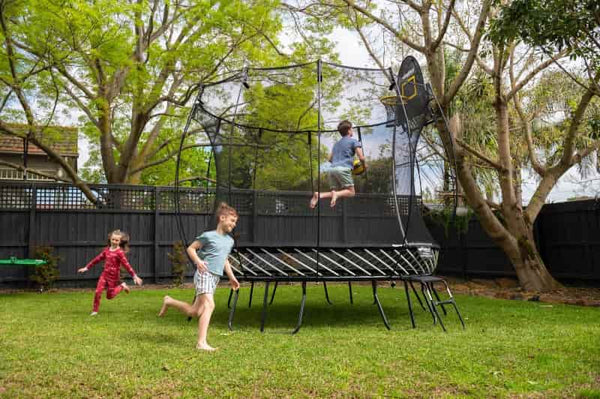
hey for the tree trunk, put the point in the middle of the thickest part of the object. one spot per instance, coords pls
(514, 236)
(525, 257)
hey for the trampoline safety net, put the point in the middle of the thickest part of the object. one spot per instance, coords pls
(271, 132)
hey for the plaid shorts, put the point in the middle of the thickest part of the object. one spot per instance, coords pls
(205, 282)
(340, 177)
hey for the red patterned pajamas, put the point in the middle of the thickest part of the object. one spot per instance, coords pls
(110, 279)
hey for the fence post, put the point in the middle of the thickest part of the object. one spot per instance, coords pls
(344, 221)
(464, 250)
(156, 218)
(254, 216)
(30, 232)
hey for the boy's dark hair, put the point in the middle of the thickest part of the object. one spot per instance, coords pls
(344, 127)
(224, 209)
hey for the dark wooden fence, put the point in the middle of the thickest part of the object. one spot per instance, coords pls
(61, 217)
(567, 236)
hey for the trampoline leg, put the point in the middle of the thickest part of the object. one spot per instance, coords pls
(264, 311)
(417, 295)
(410, 311)
(425, 291)
(350, 291)
(251, 293)
(385, 321)
(229, 299)
(193, 300)
(439, 300)
(232, 311)
(452, 302)
(301, 314)
(435, 312)
(459, 316)
(326, 293)
(273, 294)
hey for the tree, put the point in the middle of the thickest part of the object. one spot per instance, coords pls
(424, 28)
(130, 67)
(22, 78)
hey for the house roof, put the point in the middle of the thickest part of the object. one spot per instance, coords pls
(62, 139)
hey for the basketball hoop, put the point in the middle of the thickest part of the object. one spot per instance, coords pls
(392, 104)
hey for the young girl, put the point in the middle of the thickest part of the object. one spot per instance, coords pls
(114, 258)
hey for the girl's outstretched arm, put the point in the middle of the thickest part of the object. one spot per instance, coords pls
(125, 263)
(94, 261)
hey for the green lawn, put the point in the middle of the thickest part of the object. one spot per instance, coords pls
(51, 347)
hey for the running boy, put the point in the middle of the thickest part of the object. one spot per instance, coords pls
(340, 172)
(209, 253)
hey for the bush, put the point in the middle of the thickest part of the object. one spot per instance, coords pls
(179, 262)
(447, 218)
(46, 275)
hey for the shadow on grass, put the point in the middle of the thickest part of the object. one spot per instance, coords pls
(283, 313)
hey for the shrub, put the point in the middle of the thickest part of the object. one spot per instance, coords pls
(179, 262)
(45, 275)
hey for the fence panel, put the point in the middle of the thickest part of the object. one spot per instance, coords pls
(57, 215)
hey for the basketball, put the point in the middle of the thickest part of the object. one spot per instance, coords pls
(358, 168)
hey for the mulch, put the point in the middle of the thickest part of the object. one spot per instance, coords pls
(507, 288)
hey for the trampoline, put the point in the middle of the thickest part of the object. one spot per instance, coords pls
(270, 132)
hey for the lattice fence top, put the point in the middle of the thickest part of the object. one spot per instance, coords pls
(56, 196)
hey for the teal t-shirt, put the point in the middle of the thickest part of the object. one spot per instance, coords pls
(215, 249)
(343, 152)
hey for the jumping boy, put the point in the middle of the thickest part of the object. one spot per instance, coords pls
(209, 253)
(340, 172)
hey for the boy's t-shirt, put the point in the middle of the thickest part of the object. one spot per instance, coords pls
(215, 249)
(343, 152)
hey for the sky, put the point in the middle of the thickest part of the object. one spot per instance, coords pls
(352, 53)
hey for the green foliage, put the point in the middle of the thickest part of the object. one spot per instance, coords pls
(551, 24)
(179, 263)
(45, 275)
(449, 218)
(127, 86)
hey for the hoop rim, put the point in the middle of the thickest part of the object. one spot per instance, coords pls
(390, 100)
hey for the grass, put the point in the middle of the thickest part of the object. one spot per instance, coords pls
(51, 347)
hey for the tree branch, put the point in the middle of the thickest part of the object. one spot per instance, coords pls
(82, 106)
(464, 72)
(479, 155)
(366, 42)
(531, 75)
(566, 158)
(442, 33)
(396, 33)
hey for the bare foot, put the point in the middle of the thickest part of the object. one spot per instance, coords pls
(334, 197)
(125, 287)
(164, 307)
(205, 347)
(314, 200)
